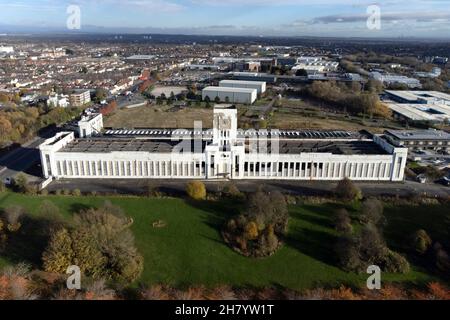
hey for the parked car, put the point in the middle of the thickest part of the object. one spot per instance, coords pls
(7, 181)
(445, 181)
(422, 178)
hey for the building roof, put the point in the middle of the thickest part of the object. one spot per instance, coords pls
(228, 89)
(108, 144)
(413, 96)
(429, 134)
(242, 82)
(422, 112)
(350, 147)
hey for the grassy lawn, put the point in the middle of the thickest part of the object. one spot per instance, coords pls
(190, 250)
(159, 117)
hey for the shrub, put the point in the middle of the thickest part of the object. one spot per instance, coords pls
(100, 243)
(256, 232)
(66, 192)
(394, 262)
(76, 192)
(44, 192)
(441, 257)
(251, 231)
(342, 221)
(368, 247)
(348, 191)
(372, 211)
(2, 187)
(231, 190)
(421, 241)
(196, 190)
(20, 183)
(348, 254)
(13, 214)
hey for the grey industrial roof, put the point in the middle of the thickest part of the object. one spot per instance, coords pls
(228, 89)
(351, 147)
(419, 134)
(105, 145)
(207, 133)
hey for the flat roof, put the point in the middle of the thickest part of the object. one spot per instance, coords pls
(350, 147)
(207, 134)
(140, 57)
(421, 112)
(108, 144)
(228, 89)
(243, 82)
(420, 94)
(429, 134)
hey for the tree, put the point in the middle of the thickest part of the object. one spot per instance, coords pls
(109, 108)
(20, 183)
(13, 215)
(348, 191)
(251, 231)
(196, 190)
(375, 86)
(74, 247)
(342, 221)
(441, 257)
(421, 241)
(372, 211)
(266, 208)
(346, 249)
(100, 95)
(100, 243)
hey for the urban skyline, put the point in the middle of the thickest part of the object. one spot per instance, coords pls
(334, 18)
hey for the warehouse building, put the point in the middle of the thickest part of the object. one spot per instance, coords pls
(223, 152)
(425, 106)
(230, 95)
(260, 86)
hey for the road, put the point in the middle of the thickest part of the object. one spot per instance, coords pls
(22, 158)
(306, 188)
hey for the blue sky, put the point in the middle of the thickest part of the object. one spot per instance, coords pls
(420, 18)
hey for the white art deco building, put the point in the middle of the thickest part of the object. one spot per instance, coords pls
(223, 152)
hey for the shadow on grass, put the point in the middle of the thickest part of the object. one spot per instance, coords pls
(316, 244)
(217, 212)
(79, 207)
(29, 242)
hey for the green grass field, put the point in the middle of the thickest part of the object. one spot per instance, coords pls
(190, 250)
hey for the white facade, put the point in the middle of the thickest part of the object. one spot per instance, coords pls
(260, 86)
(90, 125)
(227, 153)
(60, 101)
(6, 49)
(230, 95)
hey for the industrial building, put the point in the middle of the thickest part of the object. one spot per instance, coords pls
(389, 79)
(230, 95)
(431, 106)
(260, 86)
(253, 76)
(420, 139)
(223, 152)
